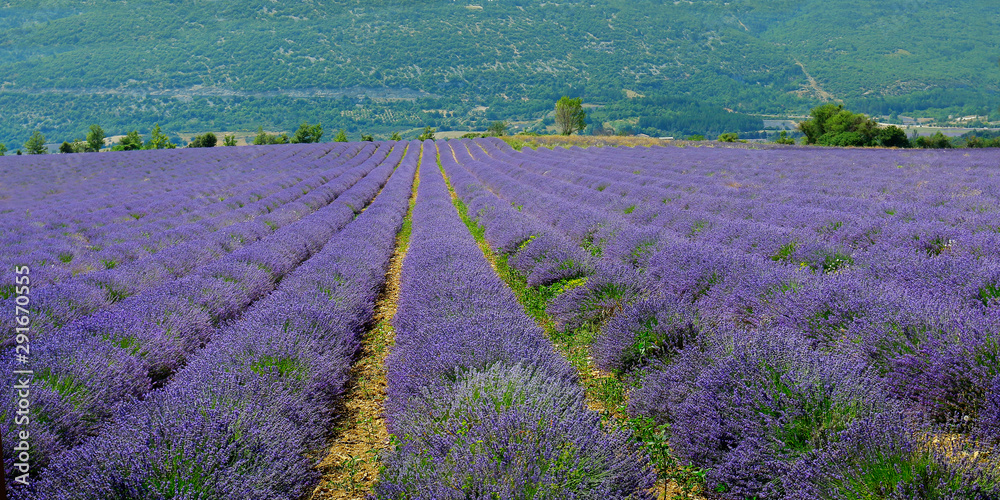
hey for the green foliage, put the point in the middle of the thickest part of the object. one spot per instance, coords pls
(784, 138)
(395, 137)
(341, 136)
(229, 140)
(265, 138)
(655, 438)
(570, 116)
(206, 140)
(696, 137)
(295, 62)
(307, 133)
(427, 134)
(367, 138)
(95, 138)
(729, 137)
(131, 142)
(497, 129)
(159, 140)
(892, 137)
(3, 149)
(832, 125)
(35, 145)
(936, 141)
(77, 146)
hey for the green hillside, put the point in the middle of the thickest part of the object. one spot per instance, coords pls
(382, 65)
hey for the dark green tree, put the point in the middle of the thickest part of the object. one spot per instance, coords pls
(570, 116)
(367, 138)
(832, 125)
(892, 137)
(341, 136)
(815, 127)
(729, 137)
(395, 137)
(95, 138)
(76, 146)
(3, 149)
(35, 145)
(936, 141)
(206, 140)
(497, 129)
(307, 133)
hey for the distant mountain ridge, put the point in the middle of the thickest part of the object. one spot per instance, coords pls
(511, 57)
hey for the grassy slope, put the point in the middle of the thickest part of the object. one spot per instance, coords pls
(271, 56)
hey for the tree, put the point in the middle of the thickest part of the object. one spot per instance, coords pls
(729, 137)
(367, 138)
(783, 138)
(341, 136)
(265, 138)
(159, 140)
(892, 137)
(229, 140)
(570, 116)
(77, 146)
(35, 145)
(131, 142)
(307, 133)
(95, 138)
(832, 125)
(395, 137)
(936, 141)
(427, 134)
(497, 129)
(3, 149)
(206, 140)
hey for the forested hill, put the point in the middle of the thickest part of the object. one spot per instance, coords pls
(204, 65)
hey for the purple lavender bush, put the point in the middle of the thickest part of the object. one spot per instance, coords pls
(510, 432)
(749, 406)
(888, 456)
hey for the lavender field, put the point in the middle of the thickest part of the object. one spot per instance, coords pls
(773, 323)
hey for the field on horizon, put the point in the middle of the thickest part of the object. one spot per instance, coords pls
(461, 319)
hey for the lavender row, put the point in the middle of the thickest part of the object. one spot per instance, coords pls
(541, 255)
(482, 404)
(797, 235)
(73, 244)
(243, 418)
(123, 352)
(78, 186)
(851, 183)
(73, 299)
(625, 242)
(875, 338)
(883, 314)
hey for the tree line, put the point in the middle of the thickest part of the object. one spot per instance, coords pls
(828, 125)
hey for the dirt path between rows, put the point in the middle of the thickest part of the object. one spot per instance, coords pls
(351, 467)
